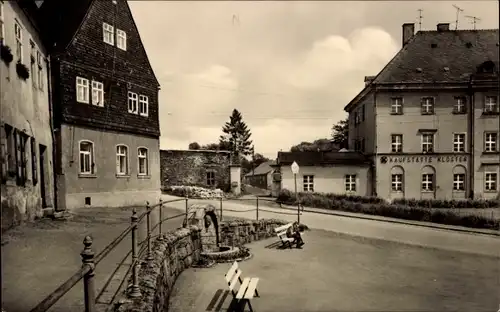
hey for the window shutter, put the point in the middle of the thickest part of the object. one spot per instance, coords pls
(34, 166)
(17, 149)
(24, 159)
(3, 159)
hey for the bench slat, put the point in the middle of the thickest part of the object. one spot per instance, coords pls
(252, 286)
(234, 281)
(283, 227)
(231, 272)
(243, 288)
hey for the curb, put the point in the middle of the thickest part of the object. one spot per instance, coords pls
(432, 226)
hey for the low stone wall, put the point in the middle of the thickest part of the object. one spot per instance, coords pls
(172, 255)
(19, 204)
(240, 232)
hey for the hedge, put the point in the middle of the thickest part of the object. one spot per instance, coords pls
(377, 206)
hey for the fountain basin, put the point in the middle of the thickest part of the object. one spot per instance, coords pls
(225, 254)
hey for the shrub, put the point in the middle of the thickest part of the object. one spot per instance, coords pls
(437, 203)
(6, 54)
(22, 71)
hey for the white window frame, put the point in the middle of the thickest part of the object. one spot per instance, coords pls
(460, 105)
(2, 23)
(82, 84)
(397, 184)
(143, 105)
(308, 183)
(132, 102)
(459, 182)
(108, 34)
(490, 181)
(350, 183)
(121, 152)
(427, 105)
(33, 64)
(39, 62)
(18, 34)
(490, 142)
(86, 154)
(427, 184)
(143, 157)
(397, 105)
(121, 39)
(396, 147)
(491, 104)
(97, 93)
(426, 143)
(459, 142)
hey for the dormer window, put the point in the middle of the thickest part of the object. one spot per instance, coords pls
(121, 39)
(108, 34)
(486, 67)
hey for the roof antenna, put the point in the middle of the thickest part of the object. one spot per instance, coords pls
(458, 13)
(474, 20)
(420, 17)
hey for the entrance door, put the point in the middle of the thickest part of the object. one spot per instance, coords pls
(43, 150)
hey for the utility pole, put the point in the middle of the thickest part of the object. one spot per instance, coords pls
(420, 17)
(474, 20)
(253, 160)
(459, 10)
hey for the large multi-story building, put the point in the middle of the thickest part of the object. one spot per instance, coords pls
(430, 119)
(105, 97)
(25, 131)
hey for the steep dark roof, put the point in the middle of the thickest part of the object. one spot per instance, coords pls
(322, 158)
(441, 56)
(263, 168)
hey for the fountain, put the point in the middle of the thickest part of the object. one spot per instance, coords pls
(205, 217)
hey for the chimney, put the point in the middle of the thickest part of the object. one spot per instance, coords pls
(368, 80)
(443, 27)
(408, 32)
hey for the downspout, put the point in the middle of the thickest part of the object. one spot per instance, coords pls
(374, 164)
(470, 130)
(54, 143)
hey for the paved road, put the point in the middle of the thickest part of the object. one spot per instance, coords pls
(414, 235)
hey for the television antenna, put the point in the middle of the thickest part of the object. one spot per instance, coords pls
(474, 20)
(420, 17)
(459, 10)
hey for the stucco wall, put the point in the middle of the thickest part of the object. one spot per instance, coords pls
(329, 179)
(24, 106)
(190, 168)
(105, 187)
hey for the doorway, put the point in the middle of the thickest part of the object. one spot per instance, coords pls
(43, 150)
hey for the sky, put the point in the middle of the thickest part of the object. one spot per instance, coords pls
(289, 67)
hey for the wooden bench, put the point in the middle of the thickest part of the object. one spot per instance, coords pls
(281, 233)
(248, 287)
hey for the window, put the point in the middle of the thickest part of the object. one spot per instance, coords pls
(82, 90)
(121, 160)
(363, 113)
(19, 41)
(33, 64)
(142, 154)
(40, 70)
(308, 183)
(143, 105)
(427, 143)
(2, 29)
(459, 182)
(211, 178)
(460, 102)
(97, 93)
(397, 106)
(34, 167)
(397, 143)
(132, 102)
(86, 157)
(10, 151)
(427, 182)
(350, 183)
(20, 148)
(397, 182)
(121, 39)
(491, 104)
(427, 106)
(108, 34)
(490, 141)
(490, 181)
(459, 142)
(356, 118)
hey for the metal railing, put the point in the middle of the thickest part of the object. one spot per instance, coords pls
(90, 260)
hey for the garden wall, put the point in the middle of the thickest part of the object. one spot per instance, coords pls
(240, 232)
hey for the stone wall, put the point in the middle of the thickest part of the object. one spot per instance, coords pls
(176, 252)
(240, 232)
(19, 204)
(190, 167)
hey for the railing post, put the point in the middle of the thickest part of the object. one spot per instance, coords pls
(257, 210)
(88, 280)
(187, 199)
(160, 237)
(134, 288)
(221, 208)
(148, 228)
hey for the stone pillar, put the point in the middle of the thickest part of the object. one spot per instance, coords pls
(235, 178)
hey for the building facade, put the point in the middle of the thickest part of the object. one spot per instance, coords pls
(261, 176)
(325, 172)
(25, 134)
(105, 97)
(430, 119)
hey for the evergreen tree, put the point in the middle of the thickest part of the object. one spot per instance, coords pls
(236, 135)
(340, 133)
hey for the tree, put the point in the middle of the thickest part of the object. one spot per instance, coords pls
(258, 159)
(194, 146)
(340, 133)
(215, 147)
(324, 145)
(236, 135)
